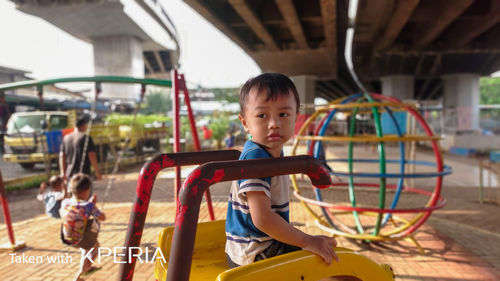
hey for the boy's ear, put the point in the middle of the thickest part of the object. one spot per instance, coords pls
(243, 122)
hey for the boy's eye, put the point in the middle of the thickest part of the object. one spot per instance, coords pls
(284, 114)
(262, 115)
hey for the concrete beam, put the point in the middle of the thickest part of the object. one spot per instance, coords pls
(461, 95)
(292, 20)
(448, 13)
(306, 87)
(403, 11)
(329, 16)
(253, 21)
(148, 65)
(321, 62)
(160, 62)
(464, 31)
(202, 9)
(398, 86)
(435, 65)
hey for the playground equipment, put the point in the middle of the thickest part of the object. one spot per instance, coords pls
(13, 245)
(197, 250)
(389, 127)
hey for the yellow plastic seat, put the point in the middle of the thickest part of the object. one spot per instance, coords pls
(209, 261)
(209, 258)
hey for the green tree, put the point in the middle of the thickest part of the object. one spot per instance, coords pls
(219, 126)
(157, 101)
(489, 89)
(229, 95)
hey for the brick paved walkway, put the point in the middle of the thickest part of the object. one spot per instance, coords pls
(461, 241)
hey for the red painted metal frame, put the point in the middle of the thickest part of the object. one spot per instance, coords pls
(178, 84)
(143, 196)
(177, 130)
(6, 212)
(203, 177)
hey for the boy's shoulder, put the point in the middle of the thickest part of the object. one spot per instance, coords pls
(252, 150)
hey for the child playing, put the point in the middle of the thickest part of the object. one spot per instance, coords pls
(257, 225)
(81, 221)
(52, 197)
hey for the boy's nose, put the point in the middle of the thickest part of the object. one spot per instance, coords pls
(274, 123)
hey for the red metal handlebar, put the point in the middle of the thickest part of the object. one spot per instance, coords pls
(143, 195)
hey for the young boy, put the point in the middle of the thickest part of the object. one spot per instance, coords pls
(257, 225)
(52, 197)
(81, 218)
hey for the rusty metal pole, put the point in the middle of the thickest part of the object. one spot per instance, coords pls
(196, 140)
(177, 131)
(6, 214)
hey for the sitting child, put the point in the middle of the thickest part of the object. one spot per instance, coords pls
(257, 225)
(81, 218)
(52, 196)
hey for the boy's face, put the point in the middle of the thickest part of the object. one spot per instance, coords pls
(271, 123)
(58, 186)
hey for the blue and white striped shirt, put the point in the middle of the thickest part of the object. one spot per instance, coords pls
(244, 239)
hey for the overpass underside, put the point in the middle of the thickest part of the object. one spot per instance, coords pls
(423, 39)
(410, 49)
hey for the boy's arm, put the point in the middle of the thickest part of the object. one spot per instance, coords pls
(43, 187)
(275, 226)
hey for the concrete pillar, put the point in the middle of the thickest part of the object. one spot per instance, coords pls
(398, 86)
(461, 101)
(306, 86)
(118, 55)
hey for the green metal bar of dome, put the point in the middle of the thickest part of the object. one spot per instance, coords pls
(352, 194)
(382, 165)
(104, 79)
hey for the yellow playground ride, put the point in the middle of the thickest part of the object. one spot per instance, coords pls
(196, 251)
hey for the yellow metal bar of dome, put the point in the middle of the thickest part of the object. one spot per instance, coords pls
(369, 138)
(364, 236)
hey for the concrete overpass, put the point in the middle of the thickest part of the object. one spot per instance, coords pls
(130, 37)
(411, 49)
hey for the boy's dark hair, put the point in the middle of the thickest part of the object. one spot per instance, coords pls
(274, 84)
(55, 181)
(79, 183)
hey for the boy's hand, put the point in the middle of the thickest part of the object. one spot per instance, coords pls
(93, 199)
(43, 186)
(322, 246)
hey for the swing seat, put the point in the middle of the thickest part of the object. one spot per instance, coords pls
(209, 261)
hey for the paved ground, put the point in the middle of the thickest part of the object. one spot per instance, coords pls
(461, 241)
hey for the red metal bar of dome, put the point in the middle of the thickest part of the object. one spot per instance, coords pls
(439, 162)
(204, 176)
(144, 188)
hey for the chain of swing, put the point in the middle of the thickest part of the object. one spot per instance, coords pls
(111, 178)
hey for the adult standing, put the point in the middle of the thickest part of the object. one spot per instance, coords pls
(73, 150)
